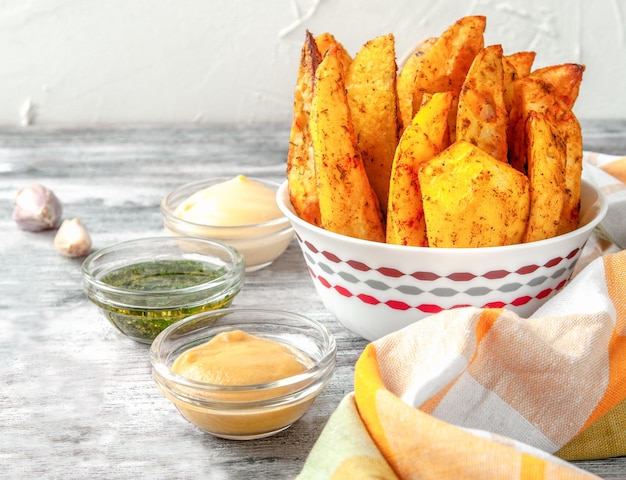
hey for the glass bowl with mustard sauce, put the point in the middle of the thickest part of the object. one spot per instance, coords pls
(243, 373)
(240, 211)
(145, 285)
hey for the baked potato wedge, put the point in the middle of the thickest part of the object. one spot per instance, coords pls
(565, 78)
(325, 41)
(301, 179)
(521, 62)
(371, 92)
(569, 127)
(534, 94)
(424, 138)
(514, 66)
(405, 84)
(447, 62)
(482, 117)
(471, 199)
(348, 204)
(546, 173)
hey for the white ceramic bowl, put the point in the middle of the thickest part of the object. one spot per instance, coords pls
(260, 243)
(375, 288)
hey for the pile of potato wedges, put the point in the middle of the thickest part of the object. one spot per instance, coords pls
(463, 145)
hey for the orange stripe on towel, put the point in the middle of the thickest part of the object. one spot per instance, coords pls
(367, 382)
(615, 268)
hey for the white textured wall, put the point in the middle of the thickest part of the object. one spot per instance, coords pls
(109, 61)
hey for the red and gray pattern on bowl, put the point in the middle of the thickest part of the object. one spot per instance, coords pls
(345, 277)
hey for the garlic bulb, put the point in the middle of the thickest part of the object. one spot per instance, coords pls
(72, 238)
(37, 208)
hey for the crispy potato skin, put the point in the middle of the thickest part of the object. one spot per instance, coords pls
(325, 41)
(514, 66)
(472, 199)
(482, 116)
(371, 92)
(546, 173)
(565, 78)
(535, 94)
(424, 138)
(445, 65)
(300, 163)
(521, 62)
(405, 84)
(348, 204)
(572, 132)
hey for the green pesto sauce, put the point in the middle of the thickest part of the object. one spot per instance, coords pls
(163, 275)
(144, 324)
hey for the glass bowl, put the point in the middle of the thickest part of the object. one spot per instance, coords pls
(143, 286)
(243, 412)
(260, 243)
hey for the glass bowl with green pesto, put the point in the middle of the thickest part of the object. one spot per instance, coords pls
(143, 286)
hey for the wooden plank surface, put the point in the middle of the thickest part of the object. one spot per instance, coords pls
(78, 400)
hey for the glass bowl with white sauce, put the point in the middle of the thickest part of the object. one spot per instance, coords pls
(240, 211)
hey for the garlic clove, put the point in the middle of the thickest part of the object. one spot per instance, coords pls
(72, 238)
(37, 208)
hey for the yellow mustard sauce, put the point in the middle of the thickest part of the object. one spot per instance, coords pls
(238, 358)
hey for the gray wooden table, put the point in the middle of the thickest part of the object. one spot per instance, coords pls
(76, 399)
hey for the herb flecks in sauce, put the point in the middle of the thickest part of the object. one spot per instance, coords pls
(143, 324)
(163, 275)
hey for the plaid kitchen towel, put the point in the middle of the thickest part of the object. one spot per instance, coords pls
(485, 394)
(608, 172)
